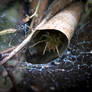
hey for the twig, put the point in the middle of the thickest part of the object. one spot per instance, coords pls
(35, 14)
(7, 51)
(7, 31)
(36, 10)
(53, 7)
(10, 74)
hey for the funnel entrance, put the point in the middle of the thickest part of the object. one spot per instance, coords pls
(51, 40)
(48, 44)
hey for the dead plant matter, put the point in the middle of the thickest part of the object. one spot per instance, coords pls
(51, 41)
